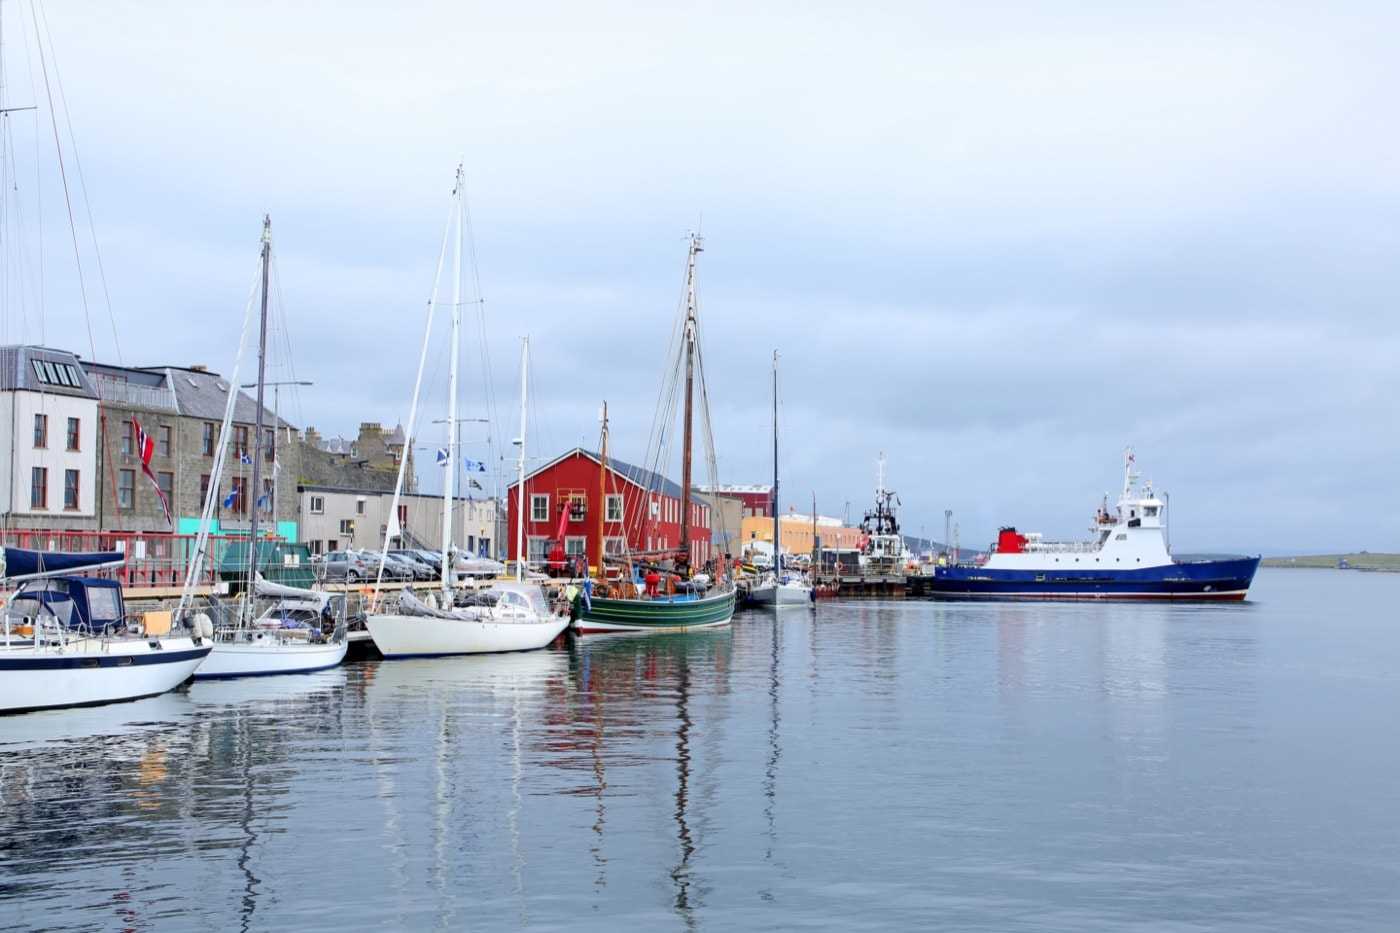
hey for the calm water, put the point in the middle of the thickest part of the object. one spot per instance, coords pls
(869, 765)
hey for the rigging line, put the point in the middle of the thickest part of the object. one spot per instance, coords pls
(63, 174)
(82, 183)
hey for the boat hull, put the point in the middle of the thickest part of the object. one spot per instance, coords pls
(656, 615)
(90, 672)
(1209, 581)
(781, 596)
(404, 636)
(262, 657)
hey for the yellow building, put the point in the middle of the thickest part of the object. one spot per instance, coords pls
(796, 532)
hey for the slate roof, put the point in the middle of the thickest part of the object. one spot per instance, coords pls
(17, 371)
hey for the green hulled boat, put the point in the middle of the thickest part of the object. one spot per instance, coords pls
(659, 614)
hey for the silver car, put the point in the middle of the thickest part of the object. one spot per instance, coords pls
(343, 567)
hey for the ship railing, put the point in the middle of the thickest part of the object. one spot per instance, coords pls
(1062, 547)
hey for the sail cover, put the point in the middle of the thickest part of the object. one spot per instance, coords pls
(23, 564)
(264, 587)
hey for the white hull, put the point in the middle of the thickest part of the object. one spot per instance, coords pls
(785, 595)
(88, 671)
(268, 654)
(402, 636)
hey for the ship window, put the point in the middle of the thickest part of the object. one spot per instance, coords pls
(1121, 537)
(1150, 511)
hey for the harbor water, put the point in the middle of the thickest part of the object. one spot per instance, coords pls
(863, 765)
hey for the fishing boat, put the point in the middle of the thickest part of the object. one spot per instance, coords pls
(282, 640)
(66, 639)
(688, 600)
(777, 587)
(1128, 557)
(507, 616)
(882, 545)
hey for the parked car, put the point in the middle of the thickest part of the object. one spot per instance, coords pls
(424, 568)
(394, 568)
(343, 567)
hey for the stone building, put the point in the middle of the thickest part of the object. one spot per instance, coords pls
(182, 410)
(336, 518)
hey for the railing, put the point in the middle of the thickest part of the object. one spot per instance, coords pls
(115, 390)
(152, 560)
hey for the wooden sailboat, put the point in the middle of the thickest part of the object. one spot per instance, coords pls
(622, 606)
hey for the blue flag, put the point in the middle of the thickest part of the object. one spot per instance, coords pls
(474, 466)
(231, 498)
(442, 457)
(244, 459)
(263, 504)
(588, 594)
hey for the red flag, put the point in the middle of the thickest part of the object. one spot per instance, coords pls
(145, 447)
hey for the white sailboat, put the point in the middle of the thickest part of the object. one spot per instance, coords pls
(508, 616)
(285, 639)
(775, 588)
(65, 639)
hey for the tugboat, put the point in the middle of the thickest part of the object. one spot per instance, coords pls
(882, 546)
(1128, 558)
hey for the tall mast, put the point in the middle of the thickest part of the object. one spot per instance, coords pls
(258, 417)
(449, 486)
(520, 505)
(603, 495)
(777, 545)
(696, 248)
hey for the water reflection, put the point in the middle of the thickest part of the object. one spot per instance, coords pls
(895, 764)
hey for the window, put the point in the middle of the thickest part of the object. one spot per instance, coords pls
(166, 482)
(269, 444)
(613, 512)
(403, 517)
(240, 441)
(314, 546)
(163, 440)
(318, 505)
(483, 547)
(613, 547)
(240, 495)
(359, 506)
(575, 545)
(208, 439)
(126, 489)
(74, 434)
(203, 489)
(39, 488)
(41, 431)
(578, 508)
(539, 509)
(655, 509)
(347, 526)
(70, 490)
(538, 549)
(1150, 511)
(128, 438)
(331, 545)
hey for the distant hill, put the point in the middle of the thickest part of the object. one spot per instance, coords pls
(1361, 560)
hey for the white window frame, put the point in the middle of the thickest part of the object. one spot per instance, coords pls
(536, 498)
(318, 505)
(531, 542)
(655, 510)
(347, 527)
(581, 541)
(612, 507)
(614, 546)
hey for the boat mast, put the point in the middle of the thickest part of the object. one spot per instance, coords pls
(449, 486)
(520, 510)
(777, 546)
(258, 416)
(603, 495)
(696, 248)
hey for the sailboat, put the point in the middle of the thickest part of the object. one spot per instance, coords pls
(624, 606)
(285, 639)
(776, 588)
(507, 616)
(65, 639)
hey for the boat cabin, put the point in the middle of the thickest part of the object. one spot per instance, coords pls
(77, 603)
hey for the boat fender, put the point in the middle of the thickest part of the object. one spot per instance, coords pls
(203, 626)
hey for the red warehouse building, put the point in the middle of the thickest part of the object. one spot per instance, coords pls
(640, 508)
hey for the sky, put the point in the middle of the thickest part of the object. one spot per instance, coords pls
(998, 242)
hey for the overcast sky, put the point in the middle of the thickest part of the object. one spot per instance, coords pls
(997, 241)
